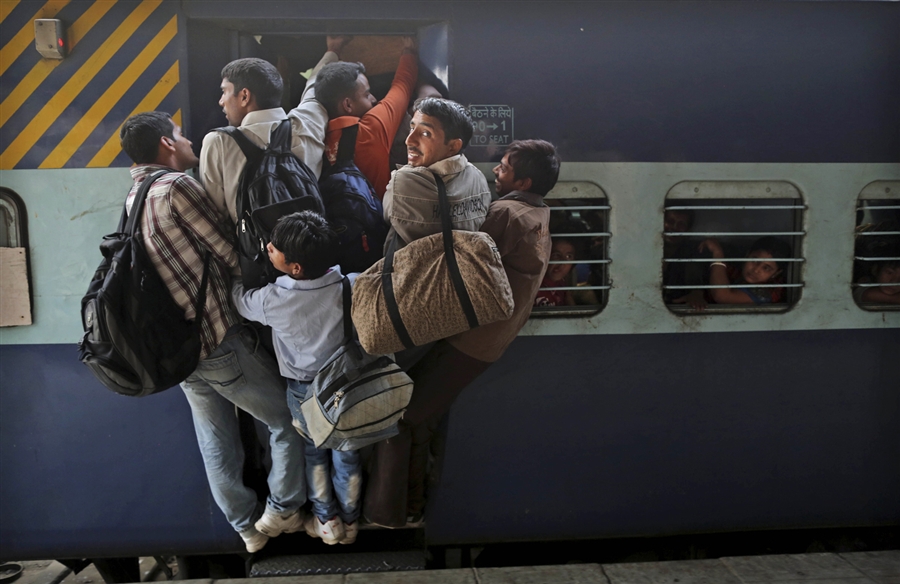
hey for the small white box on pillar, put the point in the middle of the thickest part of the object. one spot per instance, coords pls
(50, 38)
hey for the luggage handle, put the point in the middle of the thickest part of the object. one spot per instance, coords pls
(449, 253)
(464, 300)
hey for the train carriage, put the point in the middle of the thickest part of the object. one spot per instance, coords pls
(618, 415)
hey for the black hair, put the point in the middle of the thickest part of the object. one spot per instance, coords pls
(336, 81)
(140, 135)
(775, 247)
(259, 76)
(537, 160)
(456, 122)
(307, 239)
(567, 231)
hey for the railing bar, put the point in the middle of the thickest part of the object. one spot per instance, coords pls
(885, 207)
(742, 286)
(865, 259)
(594, 234)
(735, 233)
(679, 260)
(874, 285)
(579, 207)
(566, 262)
(733, 207)
(577, 288)
(878, 233)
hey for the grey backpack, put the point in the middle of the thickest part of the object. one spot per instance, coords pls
(356, 399)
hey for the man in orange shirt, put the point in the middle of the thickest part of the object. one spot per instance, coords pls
(344, 91)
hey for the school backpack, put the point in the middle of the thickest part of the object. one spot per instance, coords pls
(356, 399)
(274, 183)
(351, 207)
(136, 340)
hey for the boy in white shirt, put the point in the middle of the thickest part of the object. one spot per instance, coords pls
(304, 308)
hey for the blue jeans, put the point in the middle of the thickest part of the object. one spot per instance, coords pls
(240, 373)
(329, 472)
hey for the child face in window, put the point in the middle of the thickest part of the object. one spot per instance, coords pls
(560, 252)
(889, 275)
(761, 271)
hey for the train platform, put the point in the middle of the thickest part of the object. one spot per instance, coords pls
(875, 567)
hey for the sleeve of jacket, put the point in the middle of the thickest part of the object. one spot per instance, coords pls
(383, 120)
(309, 121)
(198, 216)
(212, 171)
(250, 303)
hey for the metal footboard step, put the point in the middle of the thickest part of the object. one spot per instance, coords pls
(339, 563)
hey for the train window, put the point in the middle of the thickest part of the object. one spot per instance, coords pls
(731, 246)
(15, 300)
(876, 266)
(577, 280)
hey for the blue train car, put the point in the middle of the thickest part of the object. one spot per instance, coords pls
(617, 415)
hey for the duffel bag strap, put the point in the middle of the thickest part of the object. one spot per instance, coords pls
(387, 284)
(450, 254)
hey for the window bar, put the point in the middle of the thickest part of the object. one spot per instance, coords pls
(865, 259)
(738, 233)
(681, 260)
(861, 233)
(593, 234)
(580, 261)
(878, 207)
(574, 288)
(579, 207)
(876, 285)
(732, 207)
(704, 286)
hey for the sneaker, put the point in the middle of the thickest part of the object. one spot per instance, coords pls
(273, 525)
(331, 531)
(351, 530)
(254, 540)
(416, 520)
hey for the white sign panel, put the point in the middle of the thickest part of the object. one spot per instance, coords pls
(493, 125)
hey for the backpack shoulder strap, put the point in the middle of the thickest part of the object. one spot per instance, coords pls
(347, 299)
(347, 144)
(464, 300)
(280, 140)
(137, 206)
(251, 151)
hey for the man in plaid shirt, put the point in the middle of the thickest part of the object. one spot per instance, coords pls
(179, 225)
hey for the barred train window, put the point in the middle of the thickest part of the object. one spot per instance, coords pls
(876, 266)
(15, 297)
(732, 246)
(577, 281)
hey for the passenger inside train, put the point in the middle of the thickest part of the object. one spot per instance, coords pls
(562, 272)
(683, 273)
(885, 270)
(754, 277)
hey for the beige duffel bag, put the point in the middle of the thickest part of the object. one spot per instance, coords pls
(431, 290)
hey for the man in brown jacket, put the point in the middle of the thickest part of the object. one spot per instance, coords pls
(519, 223)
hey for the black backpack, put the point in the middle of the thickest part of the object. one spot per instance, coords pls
(274, 183)
(352, 209)
(136, 340)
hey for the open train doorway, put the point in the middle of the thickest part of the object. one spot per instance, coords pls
(294, 47)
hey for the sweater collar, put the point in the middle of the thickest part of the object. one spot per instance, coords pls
(275, 114)
(332, 276)
(524, 196)
(453, 165)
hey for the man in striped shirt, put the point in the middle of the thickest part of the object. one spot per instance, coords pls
(179, 224)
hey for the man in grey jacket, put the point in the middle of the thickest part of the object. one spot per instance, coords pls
(439, 132)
